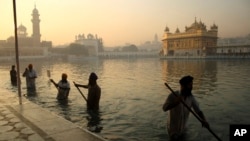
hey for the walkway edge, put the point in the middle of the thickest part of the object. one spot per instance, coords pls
(49, 125)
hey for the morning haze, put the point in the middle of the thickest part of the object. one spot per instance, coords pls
(124, 21)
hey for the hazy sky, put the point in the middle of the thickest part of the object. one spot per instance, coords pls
(124, 21)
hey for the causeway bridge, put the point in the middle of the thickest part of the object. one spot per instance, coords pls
(121, 54)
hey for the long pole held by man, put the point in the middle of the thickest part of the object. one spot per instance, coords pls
(80, 92)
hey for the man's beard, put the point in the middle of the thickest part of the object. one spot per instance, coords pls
(186, 92)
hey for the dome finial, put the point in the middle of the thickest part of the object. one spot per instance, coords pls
(166, 29)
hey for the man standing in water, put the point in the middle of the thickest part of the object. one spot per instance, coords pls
(63, 87)
(94, 92)
(13, 75)
(30, 75)
(178, 113)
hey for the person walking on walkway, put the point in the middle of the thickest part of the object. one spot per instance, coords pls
(31, 76)
(178, 113)
(94, 92)
(63, 87)
(13, 75)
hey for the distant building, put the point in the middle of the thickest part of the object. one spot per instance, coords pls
(154, 45)
(195, 41)
(244, 40)
(28, 46)
(94, 44)
(237, 45)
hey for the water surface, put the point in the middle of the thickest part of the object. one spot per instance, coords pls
(133, 92)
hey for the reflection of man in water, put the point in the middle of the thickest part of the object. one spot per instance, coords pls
(94, 121)
(30, 75)
(13, 75)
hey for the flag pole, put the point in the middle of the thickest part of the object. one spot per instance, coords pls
(17, 54)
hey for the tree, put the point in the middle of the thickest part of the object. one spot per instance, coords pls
(77, 49)
(130, 48)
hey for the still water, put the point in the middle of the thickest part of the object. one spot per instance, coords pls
(133, 92)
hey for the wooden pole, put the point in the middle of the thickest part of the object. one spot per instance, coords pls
(81, 92)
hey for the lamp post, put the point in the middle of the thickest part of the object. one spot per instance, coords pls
(17, 54)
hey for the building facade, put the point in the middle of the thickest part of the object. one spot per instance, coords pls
(93, 43)
(23, 39)
(195, 41)
(29, 46)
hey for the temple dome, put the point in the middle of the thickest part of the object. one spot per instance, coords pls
(22, 28)
(214, 26)
(196, 26)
